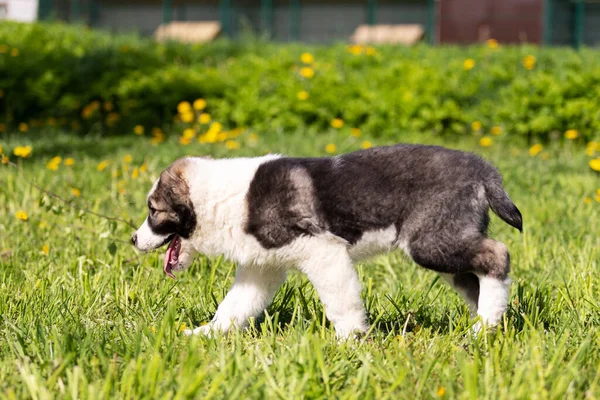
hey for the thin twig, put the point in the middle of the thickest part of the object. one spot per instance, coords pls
(69, 203)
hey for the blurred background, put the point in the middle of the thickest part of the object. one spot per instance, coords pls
(549, 22)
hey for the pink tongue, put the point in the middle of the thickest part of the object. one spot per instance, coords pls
(172, 256)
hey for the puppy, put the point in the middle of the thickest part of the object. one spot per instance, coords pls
(321, 215)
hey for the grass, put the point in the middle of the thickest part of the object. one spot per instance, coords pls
(94, 319)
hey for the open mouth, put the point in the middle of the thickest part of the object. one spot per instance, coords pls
(172, 255)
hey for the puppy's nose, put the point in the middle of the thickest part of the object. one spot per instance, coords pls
(134, 239)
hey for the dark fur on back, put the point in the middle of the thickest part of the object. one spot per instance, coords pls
(428, 193)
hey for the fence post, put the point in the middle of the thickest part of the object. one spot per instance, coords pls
(75, 11)
(44, 9)
(371, 12)
(267, 16)
(294, 19)
(578, 23)
(431, 14)
(167, 11)
(94, 11)
(547, 39)
(225, 12)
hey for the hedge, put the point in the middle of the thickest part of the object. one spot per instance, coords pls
(52, 74)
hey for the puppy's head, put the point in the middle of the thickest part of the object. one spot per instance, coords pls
(171, 216)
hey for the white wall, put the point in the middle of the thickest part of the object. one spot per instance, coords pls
(21, 10)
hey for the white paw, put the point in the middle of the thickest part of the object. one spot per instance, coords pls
(205, 330)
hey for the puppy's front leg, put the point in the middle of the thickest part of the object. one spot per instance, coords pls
(331, 272)
(251, 292)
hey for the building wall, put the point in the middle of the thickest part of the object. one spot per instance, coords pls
(21, 10)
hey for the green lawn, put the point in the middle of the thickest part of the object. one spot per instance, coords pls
(84, 315)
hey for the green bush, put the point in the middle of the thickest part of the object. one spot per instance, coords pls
(58, 74)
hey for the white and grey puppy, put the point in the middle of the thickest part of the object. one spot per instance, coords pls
(321, 215)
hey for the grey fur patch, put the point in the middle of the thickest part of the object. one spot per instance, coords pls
(437, 198)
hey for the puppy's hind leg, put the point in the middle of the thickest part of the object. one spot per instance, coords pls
(467, 285)
(492, 265)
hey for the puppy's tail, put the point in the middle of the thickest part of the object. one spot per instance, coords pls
(502, 205)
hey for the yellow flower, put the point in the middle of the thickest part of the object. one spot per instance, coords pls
(187, 117)
(330, 148)
(485, 141)
(127, 159)
(221, 136)
(108, 106)
(591, 148)
(366, 145)
(184, 107)
(441, 391)
(469, 64)
(337, 123)
(535, 149)
(204, 118)
(355, 132)
(143, 167)
(215, 127)
(492, 43)
(22, 151)
(157, 136)
(189, 133)
(199, 104)
(232, 144)
(23, 127)
(588, 200)
(14, 52)
(302, 95)
(3, 48)
(4, 159)
(496, 130)
(307, 72)
(476, 125)
(370, 51)
(355, 49)
(138, 130)
(529, 62)
(307, 58)
(595, 164)
(69, 162)
(102, 165)
(0, 149)
(76, 192)
(209, 137)
(22, 215)
(182, 327)
(112, 118)
(185, 141)
(135, 173)
(571, 134)
(46, 249)
(54, 163)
